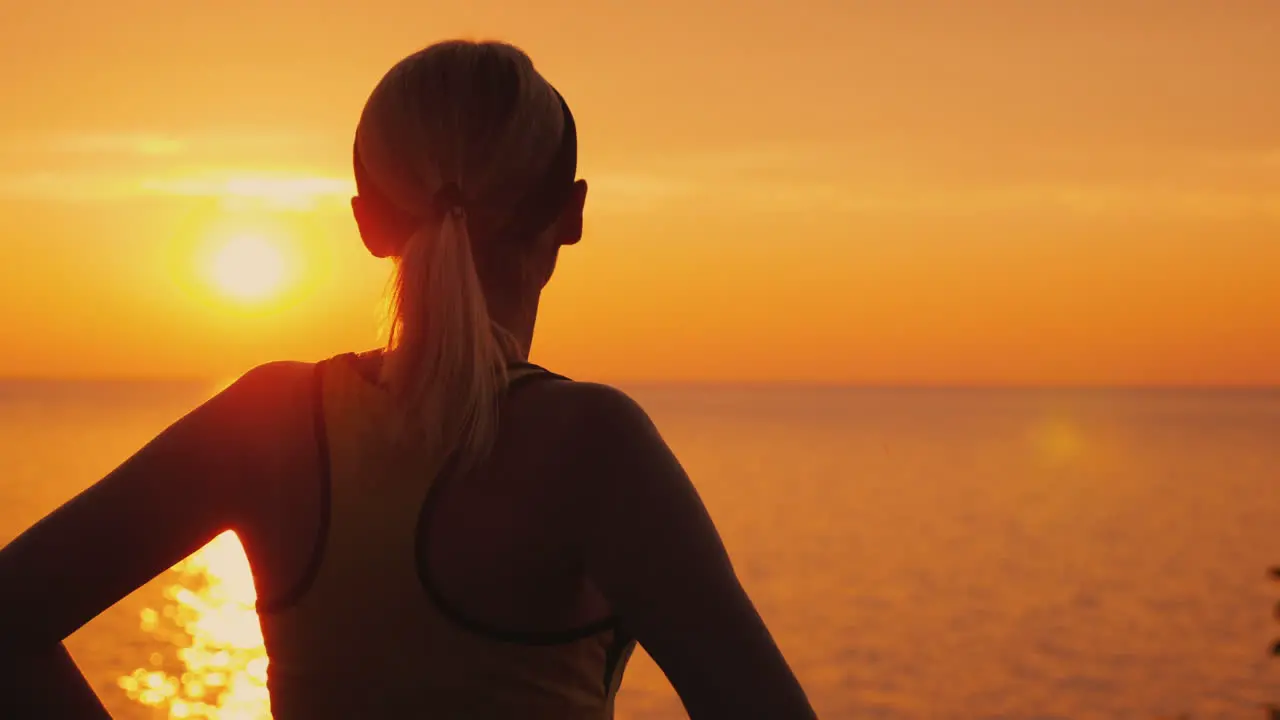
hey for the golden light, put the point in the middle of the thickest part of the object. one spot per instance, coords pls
(249, 268)
(1057, 441)
(215, 665)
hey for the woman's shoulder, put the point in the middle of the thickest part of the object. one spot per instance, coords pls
(276, 371)
(604, 422)
(595, 403)
(264, 400)
(276, 380)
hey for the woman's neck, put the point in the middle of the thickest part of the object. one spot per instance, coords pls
(517, 318)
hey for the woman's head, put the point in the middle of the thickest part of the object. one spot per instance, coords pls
(465, 161)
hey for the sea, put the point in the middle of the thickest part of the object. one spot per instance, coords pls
(916, 553)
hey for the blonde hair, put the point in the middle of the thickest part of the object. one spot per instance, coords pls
(478, 119)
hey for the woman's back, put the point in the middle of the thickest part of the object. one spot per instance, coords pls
(438, 595)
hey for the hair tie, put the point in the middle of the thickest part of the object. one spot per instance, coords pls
(448, 200)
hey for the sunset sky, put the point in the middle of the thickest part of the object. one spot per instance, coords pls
(901, 192)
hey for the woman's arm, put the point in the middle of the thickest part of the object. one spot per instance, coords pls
(173, 496)
(654, 552)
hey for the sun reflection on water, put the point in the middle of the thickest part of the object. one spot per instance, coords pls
(216, 664)
(1057, 440)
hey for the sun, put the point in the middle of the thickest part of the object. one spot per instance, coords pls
(248, 268)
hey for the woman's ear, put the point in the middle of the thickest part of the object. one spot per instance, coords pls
(571, 218)
(381, 239)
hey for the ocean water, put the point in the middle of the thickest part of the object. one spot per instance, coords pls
(917, 553)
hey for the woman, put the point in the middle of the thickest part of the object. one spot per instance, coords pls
(414, 556)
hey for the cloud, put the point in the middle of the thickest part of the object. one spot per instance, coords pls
(755, 195)
(148, 145)
(277, 190)
(1266, 159)
(294, 192)
(640, 192)
(158, 144)
(891, 180)
(762, 181)
(647, 193)
(67, 187)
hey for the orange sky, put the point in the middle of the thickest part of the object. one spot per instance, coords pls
(875, 192)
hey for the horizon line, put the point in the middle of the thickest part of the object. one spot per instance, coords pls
(777, 383)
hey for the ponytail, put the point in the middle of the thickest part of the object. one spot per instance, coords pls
(476, 115)
(446, 361)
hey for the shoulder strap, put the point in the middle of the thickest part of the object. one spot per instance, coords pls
(291, 596)
(525, 373)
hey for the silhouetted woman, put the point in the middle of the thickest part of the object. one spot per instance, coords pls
(438, 529)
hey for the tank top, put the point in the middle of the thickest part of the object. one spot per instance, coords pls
(366, 635)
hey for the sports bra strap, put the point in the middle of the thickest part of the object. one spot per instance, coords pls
(451, 611)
